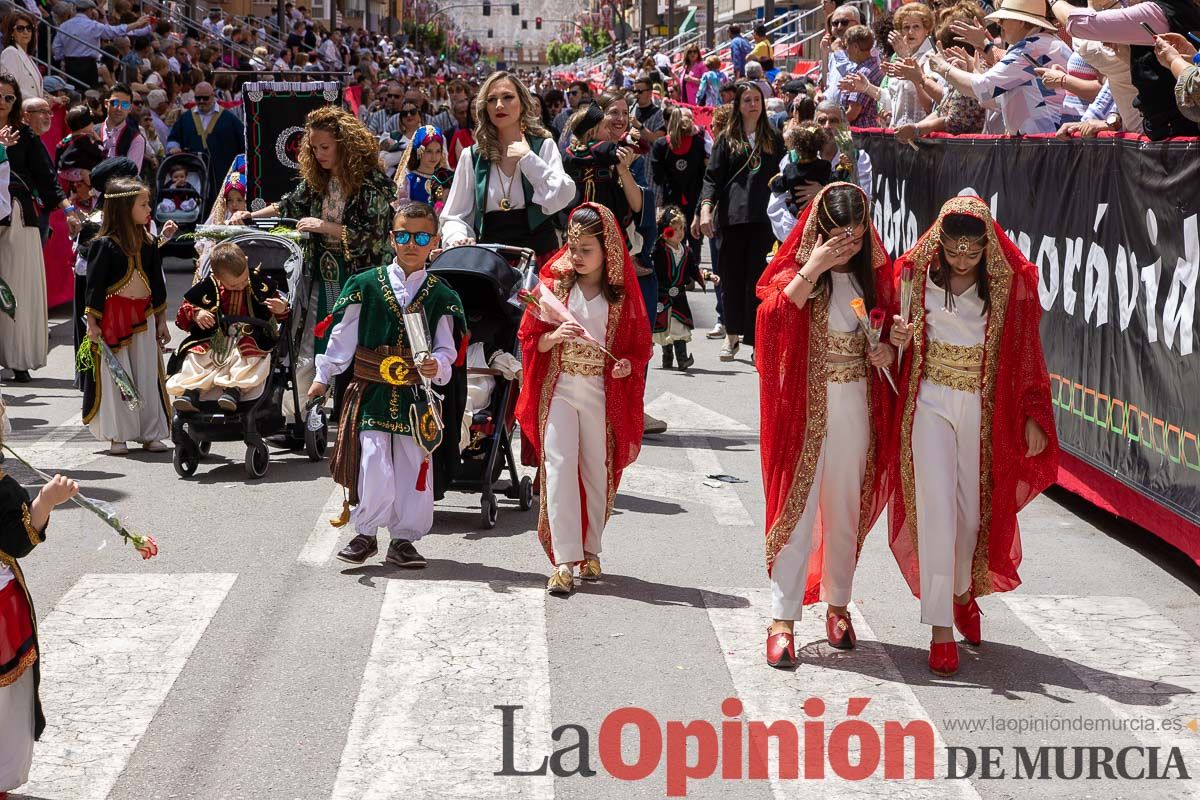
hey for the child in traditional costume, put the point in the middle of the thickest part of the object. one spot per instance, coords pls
(675, 266)
(581, 412)
(126, 291)
(424, 176)
(825, 409)
(388, 428)
(22, 527)
(209, 364)
(232, 199)
(977, 438)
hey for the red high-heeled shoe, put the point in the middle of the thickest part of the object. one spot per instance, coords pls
(781, 650)
(966, 619)
(839, 631)
(943, 658)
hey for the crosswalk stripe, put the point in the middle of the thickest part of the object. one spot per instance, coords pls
(112, 649)
(445, 652)
(769, 695)
(682, 414)
(1133, 660)
(323, 539)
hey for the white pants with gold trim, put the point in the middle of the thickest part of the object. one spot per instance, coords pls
(945, 450)
(836, 495)
(576, 450)
(387, 487)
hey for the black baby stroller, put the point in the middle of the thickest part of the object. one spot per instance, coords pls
(280, 259)
(484, 276)
(185, 206)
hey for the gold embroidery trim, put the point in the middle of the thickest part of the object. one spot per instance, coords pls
(23, 664)
(845, 371)
(35, 538)
(955, 366)
(847, 343)
(960, 356)
(582, 358)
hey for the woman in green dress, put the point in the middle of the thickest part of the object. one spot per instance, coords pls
(344, 202)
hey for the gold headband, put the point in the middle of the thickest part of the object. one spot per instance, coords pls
(963, 244)
(824, 209)
(131, 193)
(576, 229)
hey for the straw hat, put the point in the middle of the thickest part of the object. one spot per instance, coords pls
(1031, 11)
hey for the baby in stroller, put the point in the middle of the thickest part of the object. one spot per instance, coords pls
(211, 363)
(178, 194)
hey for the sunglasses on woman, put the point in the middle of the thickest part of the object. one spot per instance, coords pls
(8, 98)
(409, 112)
(22, 29)
(404, 237)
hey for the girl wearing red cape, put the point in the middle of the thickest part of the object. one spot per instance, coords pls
(977, 439)
(825, 411)
(571, 384)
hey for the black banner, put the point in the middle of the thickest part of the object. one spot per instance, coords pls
(1112, 227)
(275, 113)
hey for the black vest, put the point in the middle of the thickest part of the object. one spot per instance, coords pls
(1155, 84)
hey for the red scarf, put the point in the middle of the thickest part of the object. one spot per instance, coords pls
(681, 147)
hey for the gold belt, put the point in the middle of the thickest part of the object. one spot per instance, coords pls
(582, 358)
(846, 343)
(391, 365)
(845, 371)
(955, 366)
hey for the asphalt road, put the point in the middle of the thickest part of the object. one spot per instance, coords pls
(245, 662)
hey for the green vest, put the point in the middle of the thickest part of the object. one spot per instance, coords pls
(381, 324)
(483, 172)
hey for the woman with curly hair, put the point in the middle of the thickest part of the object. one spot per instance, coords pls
(510, 184)
(344, 200)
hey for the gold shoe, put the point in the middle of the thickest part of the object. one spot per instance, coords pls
(561, 583)
(590, 569)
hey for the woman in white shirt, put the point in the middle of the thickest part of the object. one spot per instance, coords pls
(18, 30)
(510, 184)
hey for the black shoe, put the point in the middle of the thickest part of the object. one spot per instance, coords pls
(187, 401)
(402, 553)
(359, 549)
(21, 376)
(668, 358)
(230, 399)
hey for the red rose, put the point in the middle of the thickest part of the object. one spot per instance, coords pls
(148, 548)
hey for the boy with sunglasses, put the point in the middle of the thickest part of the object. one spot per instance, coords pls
(387, 434)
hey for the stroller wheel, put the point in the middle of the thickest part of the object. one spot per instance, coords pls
(316, 442)
(185, 461)
(525, 498)
(205, 447)
(489, 510)
(257, 458)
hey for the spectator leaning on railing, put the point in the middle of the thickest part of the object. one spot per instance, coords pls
(911, 40)
(834, 63)
(1026, 104)
(860, 86)
(1174, 53)
(953, 112)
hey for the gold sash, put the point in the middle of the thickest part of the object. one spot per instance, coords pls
(956, 366)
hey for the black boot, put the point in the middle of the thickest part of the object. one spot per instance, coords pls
(21, 376)
(668, 358)
(681, 356)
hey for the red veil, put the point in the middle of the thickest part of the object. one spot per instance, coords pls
(1015, 386)
(628, 337)
(792, 346)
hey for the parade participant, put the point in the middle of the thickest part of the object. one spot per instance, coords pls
(820, 390)
(599, 159)
(383, 447)
(977, 439)
(23, 527)
(423, 176)
(345, 199)
(570, 384)
(231, 289)
(125, 291)
(676, 265)
(736, 184)
(509, 184)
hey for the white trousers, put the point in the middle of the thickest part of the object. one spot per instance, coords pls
(575, 450)
(25, 340)
(305, 359)
(247, 373)
(945, 450)
(16, 731)
(387, 487)
(836, 495)
(115, 421)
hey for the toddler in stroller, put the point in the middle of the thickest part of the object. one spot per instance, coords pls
(209, 363)
(178, 194)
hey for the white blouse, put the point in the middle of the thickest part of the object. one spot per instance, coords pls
(592, 314)
(553, 190)
(16, 62)
(841, 316)
(966, 326)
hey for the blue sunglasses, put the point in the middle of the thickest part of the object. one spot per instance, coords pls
(124, 105)
(404, 237)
